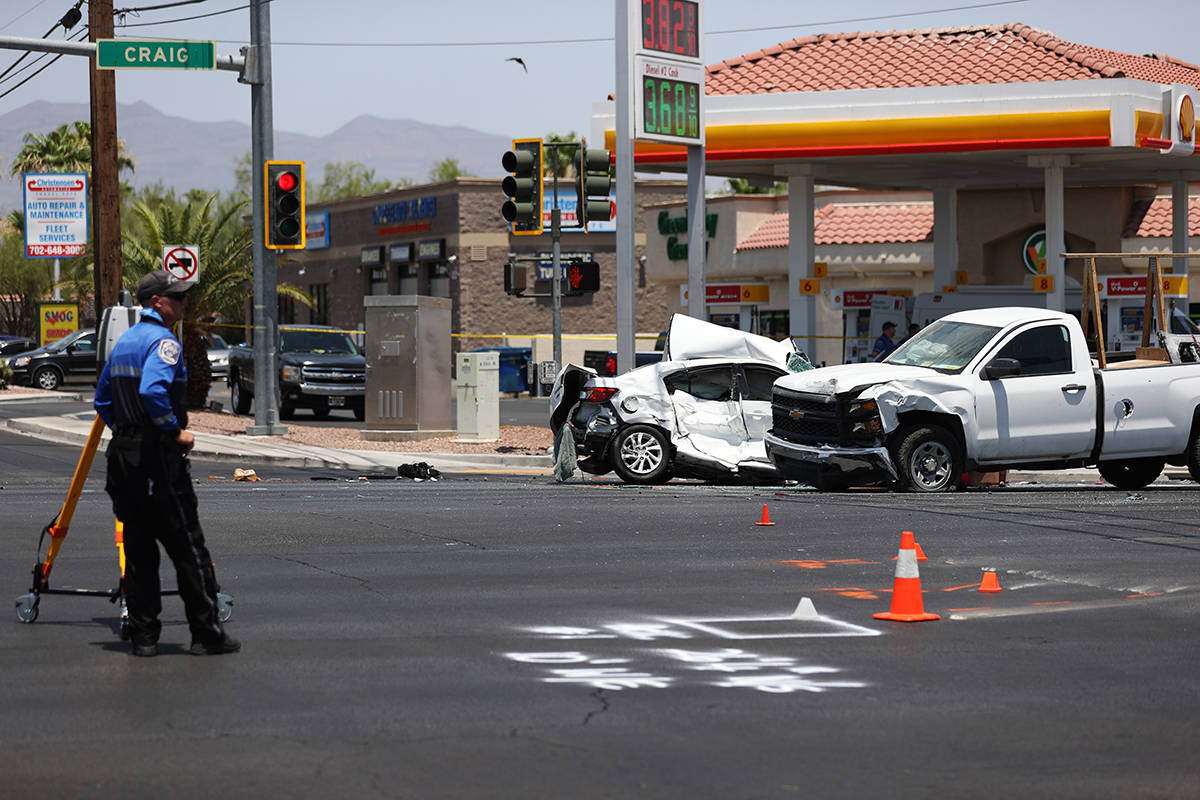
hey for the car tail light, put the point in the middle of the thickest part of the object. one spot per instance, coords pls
(610, 365)
(597, 394)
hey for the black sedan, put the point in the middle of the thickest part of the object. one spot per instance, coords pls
(72, 357)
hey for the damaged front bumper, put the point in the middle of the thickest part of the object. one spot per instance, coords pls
(827, 465)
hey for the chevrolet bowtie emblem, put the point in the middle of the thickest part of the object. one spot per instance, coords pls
(795, 413)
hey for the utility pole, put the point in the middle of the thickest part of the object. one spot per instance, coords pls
(262, 149)
(106, 190)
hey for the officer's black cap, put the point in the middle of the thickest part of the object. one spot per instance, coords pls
(158, 283)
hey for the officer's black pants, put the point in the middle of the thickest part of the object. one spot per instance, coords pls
(150, 483)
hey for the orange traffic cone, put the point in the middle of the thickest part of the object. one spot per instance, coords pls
(920, 553)
(766, 517)
(907, 604)
(991, 583)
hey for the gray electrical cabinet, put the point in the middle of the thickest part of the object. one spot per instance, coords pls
(408, 363)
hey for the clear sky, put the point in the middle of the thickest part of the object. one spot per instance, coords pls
(443, 61)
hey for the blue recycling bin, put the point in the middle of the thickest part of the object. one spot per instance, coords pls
(514, 361)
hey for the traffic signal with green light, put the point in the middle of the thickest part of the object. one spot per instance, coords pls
(592, 183)
(523, 209)
(285, 205)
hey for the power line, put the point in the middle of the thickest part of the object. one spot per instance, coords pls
(179, 19)
(601, 39)
(25, 13)
(79, 37)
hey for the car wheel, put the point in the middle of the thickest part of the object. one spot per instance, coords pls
(1136, 473)
(928, 459)
(238, 397)
(47, 378)
(360, 411)
(287, 411)
(641, 454)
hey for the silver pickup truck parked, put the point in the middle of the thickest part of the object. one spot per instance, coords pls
(990, 389)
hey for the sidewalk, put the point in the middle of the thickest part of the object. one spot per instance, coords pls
(251, 452)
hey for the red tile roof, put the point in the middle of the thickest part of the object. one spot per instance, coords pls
(838, 223)
(1154, 219)
(1012, 53)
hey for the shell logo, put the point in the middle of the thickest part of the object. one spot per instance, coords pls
(1187, 119)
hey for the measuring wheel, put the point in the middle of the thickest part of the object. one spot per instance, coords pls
(224, 607)
(27, 608)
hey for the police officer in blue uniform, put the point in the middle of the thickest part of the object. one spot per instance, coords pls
(142, 397)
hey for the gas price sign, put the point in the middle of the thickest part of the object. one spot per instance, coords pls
(668, 71)
(671, 27)
(668, 101)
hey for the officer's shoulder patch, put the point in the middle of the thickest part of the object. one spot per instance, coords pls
(168, 351)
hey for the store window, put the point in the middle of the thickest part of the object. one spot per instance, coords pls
(287, 310)
(319, 313)
(379, 280)
(439, 279)
(409, 282)
(774, 323)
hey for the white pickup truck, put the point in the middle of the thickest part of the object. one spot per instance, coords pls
(989, 389)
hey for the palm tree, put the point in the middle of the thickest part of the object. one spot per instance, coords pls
(226, 268)
(67, 148)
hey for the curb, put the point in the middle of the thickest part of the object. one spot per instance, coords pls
(20, 397)
(215, 447)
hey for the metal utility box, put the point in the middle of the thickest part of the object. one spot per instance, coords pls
(478, 382)
(408, 362)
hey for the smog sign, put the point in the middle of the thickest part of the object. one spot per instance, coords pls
(56, 222)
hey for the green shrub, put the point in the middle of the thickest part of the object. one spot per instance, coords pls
(5, 374)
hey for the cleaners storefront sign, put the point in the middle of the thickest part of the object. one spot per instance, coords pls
(56, 222)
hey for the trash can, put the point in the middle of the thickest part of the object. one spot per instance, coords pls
(514, 376)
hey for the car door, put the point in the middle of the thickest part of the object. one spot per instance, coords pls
(81, 356)
(1046, 412)
(755, 395)
(708, 417)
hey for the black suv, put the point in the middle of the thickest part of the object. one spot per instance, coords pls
(71, 357)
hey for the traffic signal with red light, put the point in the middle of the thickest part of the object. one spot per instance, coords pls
(583, 276)
(523, 209)
(285, 205)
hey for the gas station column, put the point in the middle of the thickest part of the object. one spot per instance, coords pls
(945, 236)
(1056, 229)
(802, 308)
(1179, 224)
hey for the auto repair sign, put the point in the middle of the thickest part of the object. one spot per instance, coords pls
(56, 220)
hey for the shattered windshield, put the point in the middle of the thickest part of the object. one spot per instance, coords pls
(944, 346)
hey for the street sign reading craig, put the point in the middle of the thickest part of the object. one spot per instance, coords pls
(131, 54)
(56, 221)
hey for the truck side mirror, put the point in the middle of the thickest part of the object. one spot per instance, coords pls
(1000, 368)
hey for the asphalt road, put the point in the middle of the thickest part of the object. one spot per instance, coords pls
(490, 636)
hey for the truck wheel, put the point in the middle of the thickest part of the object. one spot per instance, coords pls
(641, 454)
(1136, 473)
(287, 411)
(238, 396)
(360, 411)
(47, 378)
(928, 459)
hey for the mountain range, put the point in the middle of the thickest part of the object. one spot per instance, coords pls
(186, 154)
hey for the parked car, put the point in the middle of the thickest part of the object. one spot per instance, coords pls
(701, 412)
(71, 357)
(218, 357)
(12, 345)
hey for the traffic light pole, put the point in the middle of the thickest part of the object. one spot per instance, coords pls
(266, 303)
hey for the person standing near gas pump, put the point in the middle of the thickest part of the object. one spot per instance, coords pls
(141, 396)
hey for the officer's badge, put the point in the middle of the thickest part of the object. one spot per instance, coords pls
(168, 351)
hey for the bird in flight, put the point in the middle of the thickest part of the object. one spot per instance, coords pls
(519, 61)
